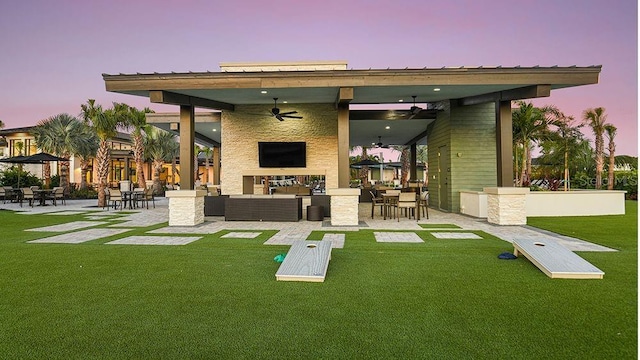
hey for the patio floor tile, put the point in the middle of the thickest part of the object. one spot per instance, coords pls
(399, 237)
(455, 235)
(69, 226)
(80, 236)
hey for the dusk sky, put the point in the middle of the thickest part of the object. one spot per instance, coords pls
(54, 52)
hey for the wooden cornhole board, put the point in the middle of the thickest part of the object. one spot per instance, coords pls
(555, 260)
(305, 261)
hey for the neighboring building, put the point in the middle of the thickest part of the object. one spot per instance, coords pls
(463, 115)
(20, 141)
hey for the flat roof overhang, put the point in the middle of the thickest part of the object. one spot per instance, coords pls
(387, 87)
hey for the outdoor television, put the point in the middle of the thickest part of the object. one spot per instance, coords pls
(282, 154)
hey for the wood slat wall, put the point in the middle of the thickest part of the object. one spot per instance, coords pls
(469, 134)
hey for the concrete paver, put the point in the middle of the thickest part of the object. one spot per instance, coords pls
(290, 231)
(155, 240)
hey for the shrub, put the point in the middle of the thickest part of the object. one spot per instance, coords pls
(10, 177)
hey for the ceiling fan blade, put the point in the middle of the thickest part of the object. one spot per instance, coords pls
(288, 112)
(279, 117)
(291, 116)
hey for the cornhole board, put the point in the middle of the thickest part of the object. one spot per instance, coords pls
(555, 260)
(305, 261)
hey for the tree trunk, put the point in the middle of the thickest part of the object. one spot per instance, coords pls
(206, 167)
(174, 167)
(363, 173)
(406, 167)
(566, 168)
(599, 160)
(612, 165)
(524, 168)
(138, 156)
(102, 158)
(527, 180)
(157, 185)
(47, 174)
(84, 166)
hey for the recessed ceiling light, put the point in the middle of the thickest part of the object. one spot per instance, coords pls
(387, 127)
(263, 92)
(436, 89)
(400, 100)
(215, 129)
(284, 102)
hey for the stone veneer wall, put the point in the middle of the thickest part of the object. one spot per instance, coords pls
(507, 206)
(186, 207)
(243, 128)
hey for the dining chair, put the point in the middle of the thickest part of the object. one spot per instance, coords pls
(376, 201)
(58, 194)
(27, 194)
(391, 201)
(149, 196)
(424, 203)
(115, 197)
(407, 201)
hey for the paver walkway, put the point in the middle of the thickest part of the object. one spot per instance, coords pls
(287, 231)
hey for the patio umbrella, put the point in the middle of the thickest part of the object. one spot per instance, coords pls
(39, 158)
(365, 162)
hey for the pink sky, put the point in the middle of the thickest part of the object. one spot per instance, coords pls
(54, 52)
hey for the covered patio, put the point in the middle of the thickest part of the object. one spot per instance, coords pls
(462, 114)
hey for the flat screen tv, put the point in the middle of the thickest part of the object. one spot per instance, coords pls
(282, 154)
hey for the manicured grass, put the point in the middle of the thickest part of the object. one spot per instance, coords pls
(218, 298)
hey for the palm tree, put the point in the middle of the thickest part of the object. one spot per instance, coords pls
(160, 146)
(597, 120)
(137, 120)
(105, 124)
(60, 135)
(611, 134)
(86, 151)
(530, 125)
(568, 136)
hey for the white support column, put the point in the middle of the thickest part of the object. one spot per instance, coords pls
(344, 206)
(506, 205)
(186, 207)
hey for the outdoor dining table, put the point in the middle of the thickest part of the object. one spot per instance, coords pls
(41, 195)
(130, 196)
(388, 200)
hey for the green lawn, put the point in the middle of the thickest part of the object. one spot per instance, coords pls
(218, 298)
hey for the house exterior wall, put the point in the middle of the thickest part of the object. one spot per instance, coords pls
(469, 135)
(243, 128)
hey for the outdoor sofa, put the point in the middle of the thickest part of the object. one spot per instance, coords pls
(263, 208)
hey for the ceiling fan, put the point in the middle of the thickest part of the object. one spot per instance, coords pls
(379, 144)
(281, 115)
(415, 110)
